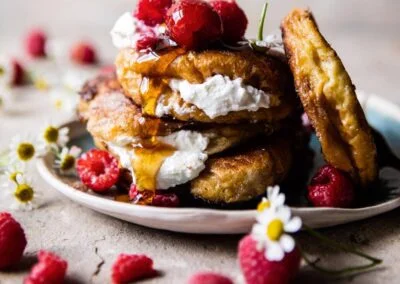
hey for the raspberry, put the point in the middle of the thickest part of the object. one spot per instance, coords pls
(209, 278)
(124, 180)
(18, 73)
(258, 270)
(197, 26)
(35, 43)
(83, 53)
(159, 199)
(107, 69)
(331, 187)
(147, 40)
(132, 267)
(152, 12)
(12, 241)
(50, 269)
(98, 170)
(234, 20)
(166, 200)
(133, 192)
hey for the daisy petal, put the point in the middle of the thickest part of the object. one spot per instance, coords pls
(75, 151)
(287, 243)
(280, 200)
(257, 230)
(284, 213)
(293, 225)
(274, 252)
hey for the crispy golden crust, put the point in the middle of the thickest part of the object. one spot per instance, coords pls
(329, 98)
(242, 176)
(110, 114)
(262, 72)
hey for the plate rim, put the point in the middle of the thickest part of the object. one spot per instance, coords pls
(51, 177)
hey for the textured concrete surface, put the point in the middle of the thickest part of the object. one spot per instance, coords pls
(366, 36)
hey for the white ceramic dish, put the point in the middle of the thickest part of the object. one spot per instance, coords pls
(382, 114)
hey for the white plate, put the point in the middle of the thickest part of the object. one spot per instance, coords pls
(382, 114)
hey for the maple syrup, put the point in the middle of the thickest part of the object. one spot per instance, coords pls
(148, 161)
(151, 153)
(152, 63)
(122, 198)
(150, 90)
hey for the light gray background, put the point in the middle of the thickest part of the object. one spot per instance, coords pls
(366, 35)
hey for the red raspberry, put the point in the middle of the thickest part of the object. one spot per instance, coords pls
(331, 187)
(83, 53)
(197, 25)
(159, 199)
(12, 241)
(152, 12)
(166, 200)
(18, 73)
(133, 192)
(50, 269)
(147, 40)
(98, 170)
(234, 20)
(107, 69)
(258, 270)
(35, 43)
(132, 267)
(209, 278)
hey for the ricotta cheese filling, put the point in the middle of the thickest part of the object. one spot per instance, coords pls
(217, 96)
(182, 166)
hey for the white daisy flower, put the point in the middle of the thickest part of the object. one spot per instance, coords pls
(271, 232)
(66, 160)
(274, 199)
(64, 99)
(23, 149)
(6, 72)
(52, 137)
(25, 196)
(74, 78)
(44, 74)
(12, 171)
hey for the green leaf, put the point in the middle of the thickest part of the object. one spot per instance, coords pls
(260, 35)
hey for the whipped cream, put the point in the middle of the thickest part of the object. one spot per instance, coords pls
(182, 166)
(219, 95)
(172, 106)
(127, 30)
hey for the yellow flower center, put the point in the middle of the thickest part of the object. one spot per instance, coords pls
(275, 229)
(263, 205)
(24, 193)
(13, 176)
(2, 71)
(58, 104)
(25, 151)
(41, 84)
(67, 163)
(51, 134)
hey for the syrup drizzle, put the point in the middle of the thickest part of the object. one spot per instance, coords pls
(150, 90)
(151, 153)
(148, 161)
(155, 63)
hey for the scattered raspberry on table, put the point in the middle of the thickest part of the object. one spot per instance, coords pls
(12, 241)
